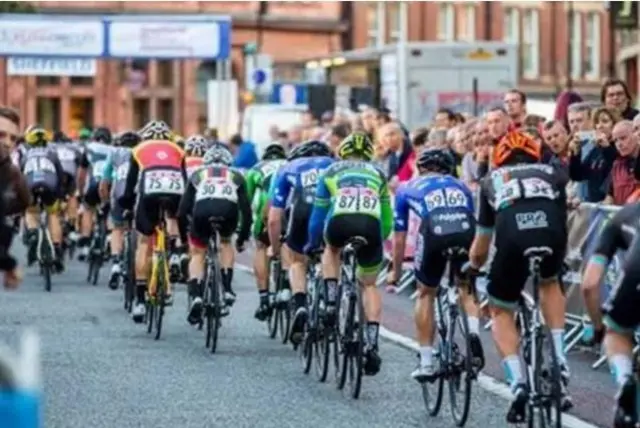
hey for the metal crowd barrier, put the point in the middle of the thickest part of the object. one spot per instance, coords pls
(584, 224)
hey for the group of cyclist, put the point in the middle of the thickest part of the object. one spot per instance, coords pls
(315, 199)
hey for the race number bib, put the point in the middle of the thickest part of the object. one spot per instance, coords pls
(537, 188)
(164, 182)
(39, 165)
(122, 172)
(66, 155)
(98, 168)
(216, 188)
(355, 200)
(309, 178)
(449, 197)
(507, 193)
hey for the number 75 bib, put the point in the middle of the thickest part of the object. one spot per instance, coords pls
(165, 182)
(356, 200)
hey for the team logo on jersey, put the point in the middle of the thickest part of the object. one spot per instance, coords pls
(162, 155)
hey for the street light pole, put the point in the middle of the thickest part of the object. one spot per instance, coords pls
(402, 48)
(570, 31)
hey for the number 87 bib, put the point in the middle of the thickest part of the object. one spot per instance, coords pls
(355, 200)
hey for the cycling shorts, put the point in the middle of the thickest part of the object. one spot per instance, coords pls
(47, 195)
(147, 211)
(621, 308)
(296, 235)
(70, 187)
(117, 214)
(340, 229)
(92, 195)
(513, 236)
(201, 230)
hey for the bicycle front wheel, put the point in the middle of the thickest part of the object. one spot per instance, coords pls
(461, 377)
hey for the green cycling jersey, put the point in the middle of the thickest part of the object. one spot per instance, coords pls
(258, 181)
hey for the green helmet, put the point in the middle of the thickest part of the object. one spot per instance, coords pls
(84, 134)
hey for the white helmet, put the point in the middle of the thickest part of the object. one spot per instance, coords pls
(218, 154)
(196, 145)
(155, 130)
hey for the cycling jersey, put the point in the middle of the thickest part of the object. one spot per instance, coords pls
(526, 204)
(352, 199)
(445, 208)
(215, 192)
(115, 173)
(43, 173)
(69, 156)
(294, 187)
(192, 163)
(258, 181)
(93, 159)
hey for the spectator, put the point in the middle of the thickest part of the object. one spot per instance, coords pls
(244, 152)
(594, 166)
(326, 120)
(283, 139)
(211, 134)
(459, 147)
(369, 124)
(615, 94)
(337, 134)
(534, 121)
(9, 127)
(459, 119)
(382, 119)
(295, 136)
(480, 145)
(452, 135)
(497, 123)
(274, 132)
(444, 119)
(401, 154)
(419, 139)
(556, 138)
(308, 120)
(564, 100)
(515, 106)
(437, 138)
(623, 180)
(578, 117)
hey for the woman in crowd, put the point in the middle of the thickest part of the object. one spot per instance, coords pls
(615, 95)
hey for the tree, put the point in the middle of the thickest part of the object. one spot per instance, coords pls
(16, 7)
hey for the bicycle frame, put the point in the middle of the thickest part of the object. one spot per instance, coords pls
(159, 253)
(533, 327)
(43, 233)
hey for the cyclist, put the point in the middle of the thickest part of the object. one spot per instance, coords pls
(215, 190)
(156, 179)
(352, 199)
(621, 319)
(524, 200)
(84, 135)
(90, 173)
(179, 140)
(194, 147)
(258, 182)
(295, 186)
(44, 174)
(69, 156)
(115, 175)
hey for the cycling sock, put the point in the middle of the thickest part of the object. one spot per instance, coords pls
(84, 241)
(474, 325)
(513, 370)
(264, 297)
(558, 344)
(373, 328)
(141, 290)
(426, 356)
(621, 368)
(227, 277)
(194, 287)
(331, 287)
(300, 300)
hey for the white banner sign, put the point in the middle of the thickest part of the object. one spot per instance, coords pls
(60, 38)
(164, 39)
(27, 66)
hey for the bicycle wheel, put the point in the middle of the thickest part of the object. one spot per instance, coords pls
(356, 359)
(321, 345)
(345, 328)
(208, 308)
(272, 321)
(150, 314)
(46, 262)
(284, 315)
(432, 392)
(160, 295)
(461, 377)
(216, 300)
(305, 351)
(554, 404)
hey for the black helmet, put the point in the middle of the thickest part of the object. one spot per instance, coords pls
(310, 149)
(102, 135)
(60, 137)
(274, 151)
(129, 139)
(438, 160)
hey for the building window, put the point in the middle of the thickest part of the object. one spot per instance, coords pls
(467, 27)
(81, 81)
(165, 110)
(47, 80)
(592, 46)
(140, 112)
(81, 113)
(134, 74)
(446, 21)
(531, 44)
(48, 113)
(395, 24)
(576, 46)
(511, 26)
(372, 24)
(165, 73)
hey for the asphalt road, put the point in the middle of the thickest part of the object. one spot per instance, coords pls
(101, 370)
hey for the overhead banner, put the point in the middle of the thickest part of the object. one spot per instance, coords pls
(32, 66)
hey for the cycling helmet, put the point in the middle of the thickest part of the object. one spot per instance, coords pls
(357, 145)
(102, 135)
(156, 130)
(516, 147)
(84, 134)
(310, 149)
(129, 139)
(179, 140)
(196, 145)
(274, 151)
(60, 137)
(218, 154)
(36, 135)
(439, 160)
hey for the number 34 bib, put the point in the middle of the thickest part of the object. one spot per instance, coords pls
(356, 200)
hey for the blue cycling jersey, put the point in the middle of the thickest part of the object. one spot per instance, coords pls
(429, 195)
(297, 180)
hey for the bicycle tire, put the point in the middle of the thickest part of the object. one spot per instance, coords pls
(208, 309)
(45, 263)
(554, 410)
(284, 313)
(537, 410)
(96, 271)
(305, 352)
(346, 339)
(150, 314)
(272, 321)
(217, 307)
(462, 375)
(434, 404)
(357, 357)
(160, 295)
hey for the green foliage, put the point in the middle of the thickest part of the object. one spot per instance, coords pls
(16, 7)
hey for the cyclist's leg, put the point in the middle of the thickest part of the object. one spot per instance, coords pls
(91, 201)
(176, 249)
(622, 319)
(31, 223)
(229, 211)
(116, 217)
(198, 238)
(260, 260)
(55, 227)
(335, 239)
(296, 238)
(72, 207)
(146, 219)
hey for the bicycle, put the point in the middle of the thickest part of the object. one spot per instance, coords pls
(45, 252)
(544, 382)
(318, 335)
(453, 352)
(351, 322)
(214, 308)
(159, 285)
(129, 273)
(96, 248)
(279, 319)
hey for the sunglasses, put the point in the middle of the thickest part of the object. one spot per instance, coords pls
(12, 137)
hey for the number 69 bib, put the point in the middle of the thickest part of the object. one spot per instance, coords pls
(356, 200)
(216, 188)
(163, 182)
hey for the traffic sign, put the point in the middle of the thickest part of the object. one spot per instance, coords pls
(259, 73)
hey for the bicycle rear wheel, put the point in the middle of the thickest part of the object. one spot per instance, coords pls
(160, 295)
(284, 313)
(46, 259)
(461, 377)
(150, 314)
(129, 276)
(432, 392)
(356, 360)
(553, 404)
(272, 321)
(321, 345)
(216, 300)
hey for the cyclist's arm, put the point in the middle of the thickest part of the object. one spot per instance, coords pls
(62, 178)
(107, 172)
(400, 226)
(386, 211)
(321, 206)
(251, 181)
(185, 208)
(127, 200)
(481, 243)
(245, 209)
(279, 195)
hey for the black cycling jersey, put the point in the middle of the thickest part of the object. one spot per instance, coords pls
(619, 232)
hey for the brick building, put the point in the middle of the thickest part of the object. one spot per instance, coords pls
(171, 90)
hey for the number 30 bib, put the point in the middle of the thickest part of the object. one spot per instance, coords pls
(355, 200)
(216, 188)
